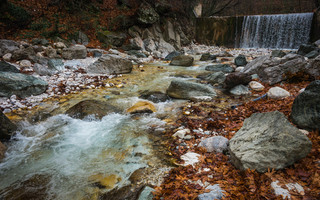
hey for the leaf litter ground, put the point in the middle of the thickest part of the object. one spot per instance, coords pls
(187, 182)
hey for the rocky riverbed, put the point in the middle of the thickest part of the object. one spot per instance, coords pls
(114, 124)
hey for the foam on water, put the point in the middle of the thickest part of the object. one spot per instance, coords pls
(68, 151)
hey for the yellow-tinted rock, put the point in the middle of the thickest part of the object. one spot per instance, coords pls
(108, 181)
(142, 107)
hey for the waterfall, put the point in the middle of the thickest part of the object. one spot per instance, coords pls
(285, 31)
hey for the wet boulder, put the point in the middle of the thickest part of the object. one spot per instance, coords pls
(215, 78)
(173, 54)
(306, 48)
(142, 107)
(181, 89)
(220, 68)
(21, 85)
(240, 60)
(7, 128)
(7, 67)
(74, 52)
(155, 96)
(95, 108)
(110, 64)
(306, 107)
(236, 78)
(208, 56)
(182, 60)
(268, 141)
(126, 192)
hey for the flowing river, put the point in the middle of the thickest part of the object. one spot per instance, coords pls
(66, 158)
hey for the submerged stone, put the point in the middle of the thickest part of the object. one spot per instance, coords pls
(142, 107)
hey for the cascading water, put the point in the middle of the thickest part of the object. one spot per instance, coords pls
(285, 31)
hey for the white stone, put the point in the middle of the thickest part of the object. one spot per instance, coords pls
(7, 57)
(278, 93)
(190, 158)
(239, 69)
(278, 190)
(181, 133)
(256, 86)
(295, 186)
(25, 63)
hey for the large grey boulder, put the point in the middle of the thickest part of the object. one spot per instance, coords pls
(74, 52)
(110, 64)
(268, 141)
(21, 85)
(273, 70)
(181, 89)
(306, 107)
(182, 60)
(6, 67)
(7, 128)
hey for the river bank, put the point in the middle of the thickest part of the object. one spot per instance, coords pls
(102, 151)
